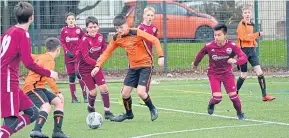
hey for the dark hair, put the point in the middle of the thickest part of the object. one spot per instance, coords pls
(91, 19)
(52, 44)
(69, 14)
(222, 27)
(119, 20)
(23, 11)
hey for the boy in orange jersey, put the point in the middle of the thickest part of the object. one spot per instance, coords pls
(140, 64)
(246, 40)
(34, 87)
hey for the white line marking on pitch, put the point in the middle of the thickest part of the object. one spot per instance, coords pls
(198, 129)
(214, 115)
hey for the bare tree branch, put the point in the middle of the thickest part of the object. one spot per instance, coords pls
(79, 11)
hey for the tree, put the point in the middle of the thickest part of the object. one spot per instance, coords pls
(138, 13)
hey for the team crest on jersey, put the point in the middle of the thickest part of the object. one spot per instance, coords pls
(27, 35)
(77, 31)
(100, 39)
(229, 50)
(154, 29)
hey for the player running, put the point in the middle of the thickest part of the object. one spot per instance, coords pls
(70, 36)
(15, 47)
(140, 64)
(92, 46)
(247, 42)
(221, 53)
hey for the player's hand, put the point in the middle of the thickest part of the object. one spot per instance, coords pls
(161, 61)
(94, 71)
(53, 74)
(69, 54)
(232, 61)
(61, 97)
(261, 33)
(194, 68)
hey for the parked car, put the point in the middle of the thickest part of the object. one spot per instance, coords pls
(182, 21)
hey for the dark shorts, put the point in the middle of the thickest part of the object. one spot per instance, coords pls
(90, 82)
(40, 96)
(252, 58)
(14, 102)
(138, 76)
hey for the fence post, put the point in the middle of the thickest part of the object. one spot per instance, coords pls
(287, 31)
(31, 33)
(165, 36)
(256, 24)
(38, 25)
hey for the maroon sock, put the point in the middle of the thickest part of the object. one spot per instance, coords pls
(23, 121)
(91, 100)
(106, 101)
(5, 132)
(215, 99)
(72, 90)
(236, 102)
(82, 85)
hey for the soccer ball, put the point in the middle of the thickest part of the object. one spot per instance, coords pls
(94, 120)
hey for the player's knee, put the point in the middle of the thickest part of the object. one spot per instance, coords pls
(72, 78)
(46, 107)
(232, 93)
(103, 88)
(93, 92)
(244, 75)
(218, 99)
(32, 113)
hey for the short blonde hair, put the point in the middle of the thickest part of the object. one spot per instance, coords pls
(149, 9)
(247, 7)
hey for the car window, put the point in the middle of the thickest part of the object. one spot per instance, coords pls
(173, 9)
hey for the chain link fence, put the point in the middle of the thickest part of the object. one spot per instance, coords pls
(188, 26)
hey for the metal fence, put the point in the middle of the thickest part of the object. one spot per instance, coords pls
(188, 26)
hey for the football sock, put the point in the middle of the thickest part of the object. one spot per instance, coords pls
(149, 103)
(40, 121)
(106, 101)
(236, 102)
(240, 83)
(5, 131)
(91, 100)
(58, 119)
(127, 105)
(262, 83)
(72, 90)
(23, 121)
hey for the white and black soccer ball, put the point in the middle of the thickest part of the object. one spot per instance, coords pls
(94, 120)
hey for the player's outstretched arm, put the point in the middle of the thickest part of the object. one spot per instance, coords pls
(245, 36)
(199, 57)
(25, 56)
(154, 40)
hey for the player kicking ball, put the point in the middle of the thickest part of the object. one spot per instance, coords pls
(34, 87)
(221, 53)
(140, 64)
(92, 46)
(247, 42)
(15, 47)
(147, 26)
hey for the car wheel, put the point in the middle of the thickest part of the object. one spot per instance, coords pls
(204, 33)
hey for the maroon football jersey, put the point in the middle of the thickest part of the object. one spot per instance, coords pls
(153, 30)
(219, 55)
(90, 50)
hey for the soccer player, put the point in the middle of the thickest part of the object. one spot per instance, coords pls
(147, 26)
(140, 64)
(92, 46)
(15, 47)
(34, 87)
(221, 53)
(70, 36)
(246, 40)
